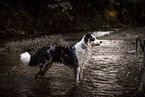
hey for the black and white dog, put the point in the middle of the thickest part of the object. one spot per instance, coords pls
(76, 56)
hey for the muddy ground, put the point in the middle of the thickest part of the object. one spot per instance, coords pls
(111, 72)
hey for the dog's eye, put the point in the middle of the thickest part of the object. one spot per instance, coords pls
(92, 39)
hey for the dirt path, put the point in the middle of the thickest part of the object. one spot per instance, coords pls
(110, 72)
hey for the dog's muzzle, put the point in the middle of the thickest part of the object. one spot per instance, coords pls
(96, 42)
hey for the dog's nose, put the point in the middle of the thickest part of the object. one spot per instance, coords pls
(100, 42)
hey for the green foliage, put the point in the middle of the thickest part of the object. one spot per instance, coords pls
(65, 5)
(34, 44)
(31, 17)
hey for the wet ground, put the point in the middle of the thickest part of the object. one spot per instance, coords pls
(111, 72)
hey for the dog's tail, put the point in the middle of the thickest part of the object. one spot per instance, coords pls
(25, 58)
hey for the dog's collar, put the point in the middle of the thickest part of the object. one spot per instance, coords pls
(84, 46)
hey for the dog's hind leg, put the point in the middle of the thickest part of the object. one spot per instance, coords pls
(42, 71)
(39, 74)
(46, 68)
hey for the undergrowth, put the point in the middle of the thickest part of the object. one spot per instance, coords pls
(32, 45)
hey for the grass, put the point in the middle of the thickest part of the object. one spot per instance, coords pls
(32, 45)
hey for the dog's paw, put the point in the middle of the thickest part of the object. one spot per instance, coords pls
(77, 82)
(39, 77)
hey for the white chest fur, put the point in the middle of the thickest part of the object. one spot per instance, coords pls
(83, 52)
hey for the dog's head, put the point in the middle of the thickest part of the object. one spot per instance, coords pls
(91, 40)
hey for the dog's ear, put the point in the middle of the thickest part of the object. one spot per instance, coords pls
(87, 37)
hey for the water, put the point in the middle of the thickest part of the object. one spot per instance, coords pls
(110, 72)
(102, 33)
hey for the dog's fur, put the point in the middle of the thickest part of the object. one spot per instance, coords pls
(75, 57)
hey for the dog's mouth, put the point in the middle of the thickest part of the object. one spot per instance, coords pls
(95, 44)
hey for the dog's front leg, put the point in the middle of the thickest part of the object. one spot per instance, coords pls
(81, 73)
(77, 73)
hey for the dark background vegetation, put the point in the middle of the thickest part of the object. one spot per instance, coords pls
(33, 17)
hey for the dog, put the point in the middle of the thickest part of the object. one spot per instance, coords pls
(75, 57)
